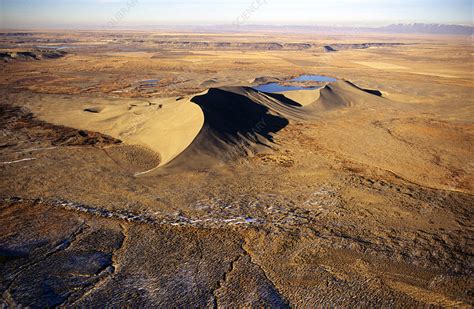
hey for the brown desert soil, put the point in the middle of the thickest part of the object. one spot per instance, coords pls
(199, 191)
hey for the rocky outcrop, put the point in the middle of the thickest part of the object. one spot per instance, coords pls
(37, 54)
(338, 47)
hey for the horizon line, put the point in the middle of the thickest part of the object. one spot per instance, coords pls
(226, 25)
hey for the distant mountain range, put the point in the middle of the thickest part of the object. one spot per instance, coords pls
(394, 28)
(413, 28)
(428, 28)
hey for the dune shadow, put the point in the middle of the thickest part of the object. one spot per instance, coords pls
(231, 116)
(371, 91)
(280, 97)
(94, 110)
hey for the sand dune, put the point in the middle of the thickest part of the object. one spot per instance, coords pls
(236, 122)
(240, 120)
(166, 127)
(215, 126)
(344, 94)
(339, 94)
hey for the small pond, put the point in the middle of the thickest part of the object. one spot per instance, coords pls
(277, 87)
(314, 78)
(149, 82)
(58, 47)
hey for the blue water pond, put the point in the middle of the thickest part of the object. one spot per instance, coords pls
(276, 87)
(314, 78)
(149, 83)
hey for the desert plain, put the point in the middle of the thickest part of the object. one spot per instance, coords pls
(146, 169)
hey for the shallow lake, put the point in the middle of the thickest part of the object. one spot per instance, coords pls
(276, 87)
(314, 78)
(149, 82)
(58, 47)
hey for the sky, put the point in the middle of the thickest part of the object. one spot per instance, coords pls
(138, 13)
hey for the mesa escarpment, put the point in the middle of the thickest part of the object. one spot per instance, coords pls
(339, 47)
(159, 42)
(36, 54)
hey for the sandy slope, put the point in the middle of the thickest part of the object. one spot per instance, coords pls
(220, 124)
(166, 126)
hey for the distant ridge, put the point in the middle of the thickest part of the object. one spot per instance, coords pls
(448, 29)
(443, 29)
(429, 28)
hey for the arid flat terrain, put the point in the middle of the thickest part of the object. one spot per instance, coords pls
(146, 169)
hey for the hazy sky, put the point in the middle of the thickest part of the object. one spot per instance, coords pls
(130, 13)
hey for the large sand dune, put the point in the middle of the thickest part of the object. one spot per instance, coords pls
(215, 126)
(166, 127)
(344, 94)
(241, 120)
